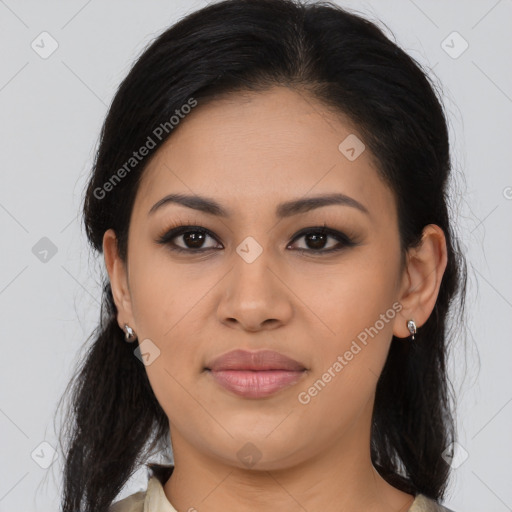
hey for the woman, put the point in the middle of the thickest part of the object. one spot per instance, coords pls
(270, 197)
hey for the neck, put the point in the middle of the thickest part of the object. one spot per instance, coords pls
(341, 478)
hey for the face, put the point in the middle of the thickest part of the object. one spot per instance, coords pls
(264, 276)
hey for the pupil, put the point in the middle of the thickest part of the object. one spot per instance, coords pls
(320, 240)
(195, 239)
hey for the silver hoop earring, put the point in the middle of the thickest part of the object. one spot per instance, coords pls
(129, 335)
(411, 325)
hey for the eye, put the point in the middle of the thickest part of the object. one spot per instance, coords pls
(316, 240)
(193, 239)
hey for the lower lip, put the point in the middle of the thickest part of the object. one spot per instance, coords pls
(256, 384)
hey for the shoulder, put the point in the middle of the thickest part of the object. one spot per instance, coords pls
(424, 504)
(132, 503)
(152, 499)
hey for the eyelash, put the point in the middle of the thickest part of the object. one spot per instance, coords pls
(184, 228)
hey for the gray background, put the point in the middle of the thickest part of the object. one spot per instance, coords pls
(51, 114)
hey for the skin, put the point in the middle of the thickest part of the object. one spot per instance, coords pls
(251, 152)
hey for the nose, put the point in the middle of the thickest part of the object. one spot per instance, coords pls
(255, 296)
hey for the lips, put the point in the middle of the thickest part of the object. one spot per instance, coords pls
(255, 374)
(262, 360)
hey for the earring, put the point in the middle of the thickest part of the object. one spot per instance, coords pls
(411, 325)
(129, 334)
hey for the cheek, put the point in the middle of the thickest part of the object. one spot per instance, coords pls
(349, 360)
(357, 305)
(163, 293)
(351, 296)
(166, 306)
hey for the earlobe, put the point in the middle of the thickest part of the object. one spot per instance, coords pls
(118, 278)
(422, 278)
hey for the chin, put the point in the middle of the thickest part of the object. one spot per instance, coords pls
(258, 452)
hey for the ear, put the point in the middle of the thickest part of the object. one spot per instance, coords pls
(118, 280)
(421, 280)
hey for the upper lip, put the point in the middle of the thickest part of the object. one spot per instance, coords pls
(247, 360)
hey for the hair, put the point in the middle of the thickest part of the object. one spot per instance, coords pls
(346, 63)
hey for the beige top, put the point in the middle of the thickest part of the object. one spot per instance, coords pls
(155, 500)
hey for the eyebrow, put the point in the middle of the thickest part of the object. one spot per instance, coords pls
(286, 209)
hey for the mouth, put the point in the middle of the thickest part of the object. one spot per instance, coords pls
(255, 374)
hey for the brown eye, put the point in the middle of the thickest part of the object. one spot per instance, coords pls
(192, 237)
(316, 240)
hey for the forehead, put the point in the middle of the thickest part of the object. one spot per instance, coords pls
(256, 149)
